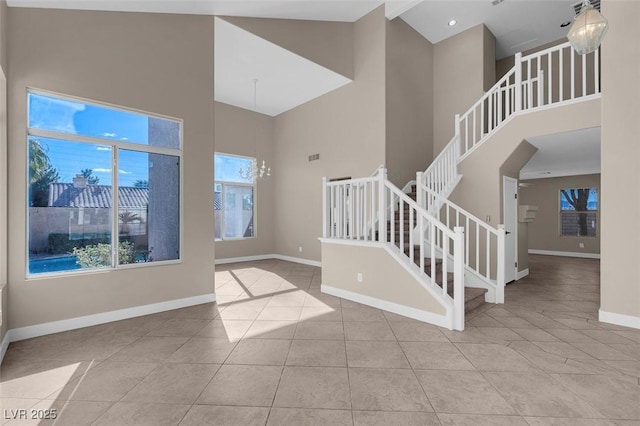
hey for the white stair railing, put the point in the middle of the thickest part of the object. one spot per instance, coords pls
(550, 77)
(442, 175)
(351, 206)
(484, 245)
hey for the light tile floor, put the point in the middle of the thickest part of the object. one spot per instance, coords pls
(275, 350)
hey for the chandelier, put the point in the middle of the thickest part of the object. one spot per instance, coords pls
(588, 29)
(252, 171)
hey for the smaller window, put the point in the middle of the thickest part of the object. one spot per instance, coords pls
(579, 212)
(233, 198)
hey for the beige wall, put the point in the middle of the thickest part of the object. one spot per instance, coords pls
(620, 269)
(489, 60)
(409, 102)
(346, 127)
(243, 132)
(3, 34)
(157, 63)
(383, 277)
(329, 44)
(458, 80)
(3, 167)
(545, 229)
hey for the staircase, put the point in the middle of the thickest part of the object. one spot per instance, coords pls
(455, 256)
(473, 297)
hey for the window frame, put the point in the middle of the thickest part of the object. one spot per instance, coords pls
(253, 185)
(116, 146)
(561, 212)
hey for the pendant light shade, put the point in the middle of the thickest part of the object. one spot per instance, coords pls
(588, 30)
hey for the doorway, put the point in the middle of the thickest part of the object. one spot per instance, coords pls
(510, 218)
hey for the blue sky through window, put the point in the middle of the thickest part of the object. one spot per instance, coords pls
(227, 167)
(592, 203)
(63, 115)
(78, 118)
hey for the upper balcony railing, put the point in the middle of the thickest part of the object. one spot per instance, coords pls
(550, 77)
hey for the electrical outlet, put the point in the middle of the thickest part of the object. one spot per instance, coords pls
(488, 219)
(581, 245)
(359, 277)
(300, 249)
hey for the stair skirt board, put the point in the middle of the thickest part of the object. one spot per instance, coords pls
(472, 280)
(405, 311)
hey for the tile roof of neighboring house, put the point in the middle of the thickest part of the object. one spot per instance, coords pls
(97, 196)
(217, 201)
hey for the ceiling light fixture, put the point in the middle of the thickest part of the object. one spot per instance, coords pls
(452, 22)
(588, 29)
(252, 172)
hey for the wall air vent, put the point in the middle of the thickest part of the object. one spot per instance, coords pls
(578, 6)
(496, 2)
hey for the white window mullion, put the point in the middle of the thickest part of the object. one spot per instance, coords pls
(115, 227)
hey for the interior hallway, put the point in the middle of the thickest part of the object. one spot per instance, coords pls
(275, 350)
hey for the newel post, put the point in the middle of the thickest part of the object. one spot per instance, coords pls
(500, 264)
(458, 277)
(518, 82)
(325, 209)
(419, 194)
(457, 134)
(382, 208)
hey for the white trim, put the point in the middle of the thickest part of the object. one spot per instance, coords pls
(619, 319)
(105, 317)
(268, 257)
(521, 274)
(298, 260)
(5, 345)
(244, 259)
(565, 253)
(406, 311)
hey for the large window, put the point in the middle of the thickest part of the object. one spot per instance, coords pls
(578, 212)
(104, 186)
(234, 198)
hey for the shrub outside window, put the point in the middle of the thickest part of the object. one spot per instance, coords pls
(234, 198)
(103, 186)
(578, 212)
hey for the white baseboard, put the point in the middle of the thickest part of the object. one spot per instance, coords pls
(105, 317)
(267, 257)
(298, 260)
(565, 253)
(4, 345)
(244, 259)
(405, 311)
(619, 319)
(521, 274)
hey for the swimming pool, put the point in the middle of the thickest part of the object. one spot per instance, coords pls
(53, 264)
